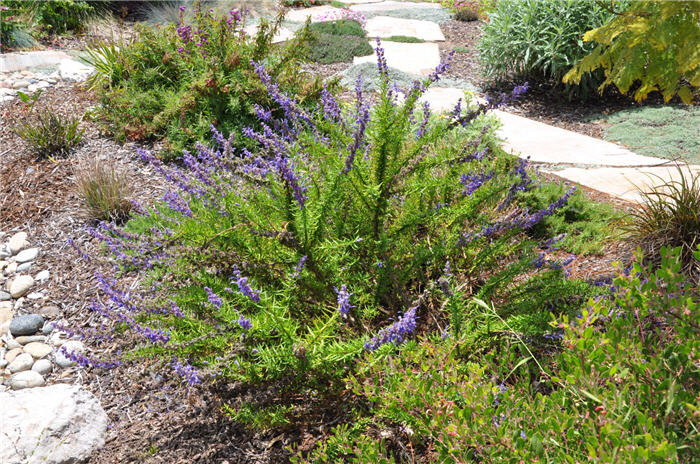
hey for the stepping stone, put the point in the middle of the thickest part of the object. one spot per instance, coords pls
(10, 62)
(623, 182)
(543, 143)
(358, 2)
(444, 99)
(283, 34)
(413, 58)
(315, 12)
(393, 5)
(385, 26)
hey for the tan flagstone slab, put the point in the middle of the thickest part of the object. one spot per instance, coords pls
(386, 26)
(393, 5)
(543, 143)
(283, 34)
(443, 99)
(315, 12)
(413, 58)
(624, 182)
(10, 62)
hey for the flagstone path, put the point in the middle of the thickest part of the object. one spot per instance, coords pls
(588, 161)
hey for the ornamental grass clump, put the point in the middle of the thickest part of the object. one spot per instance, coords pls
(172, 82)
(327, 243)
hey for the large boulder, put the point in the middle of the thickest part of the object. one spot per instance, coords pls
(59, 424)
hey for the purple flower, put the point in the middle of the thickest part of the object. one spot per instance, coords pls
(244, 323)
(381, 60)
(185, 370)
(472, 182)
(344, 305)
(298, 268)
(244, 287)
(395, 333)
(424, 123)
(213, 298)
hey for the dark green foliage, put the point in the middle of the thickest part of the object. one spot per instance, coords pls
(338, 27)
(588, 225)
(667, 131)
(620, 386)
(158, 87)
(47, 133)
(338, 41)
(60, 16)
(12, 30)
(540, 40)
(404, 39)
(670, 216)
(328, 48)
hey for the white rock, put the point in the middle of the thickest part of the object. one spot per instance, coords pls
(3, 363)
(20, 84)
(42, 276)
(35, 296)
(32, 88)
(17, 242)
(27, 255)
(43, 85)
(20, 381)
(72, 70)
(6, 315)
(7, 92)
(12, 344)
(23, 362)
(11, 268)
(21, 285)
(42, 366)
(24, 267)
(72, 346)
(38, 350)
(58, 424)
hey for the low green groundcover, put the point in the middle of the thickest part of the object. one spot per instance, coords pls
(662, 131)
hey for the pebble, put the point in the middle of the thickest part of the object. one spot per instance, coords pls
(17, 242)
(72, 346)
(26, 339)
(38, 350)
(42, 276)
(26, 379)
(27, 324)
(42, 366)
(23, 362)
(48, 328)
(35, 295)
(11, 268)
(4, 296)
(27, 255)
(20, 84)
(24, 267)
(11, 343)
(3, 363)
(12, 354)
(50, 312)
(21, 285)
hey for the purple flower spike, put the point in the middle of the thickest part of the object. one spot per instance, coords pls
(244, 287)
(214, 299)
(185, 370)
(344, 305)
(396, 333)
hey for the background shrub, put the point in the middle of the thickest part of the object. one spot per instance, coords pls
(540, 40)
(173, 82)
(60, 16)
(649, 45)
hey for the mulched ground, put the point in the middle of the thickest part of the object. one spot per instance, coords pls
(154, 420)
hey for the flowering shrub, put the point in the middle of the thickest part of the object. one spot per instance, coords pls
(469, 10)
(623, 388)
(343, 14)
(172, 82)
(328, 242)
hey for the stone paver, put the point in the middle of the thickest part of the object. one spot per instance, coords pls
(414, 58)
(358, 2)
(393, 5)
(543, 143)
(386, 26)
(283, 34)
(623, 182)
(315, 12)
(11, 62)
